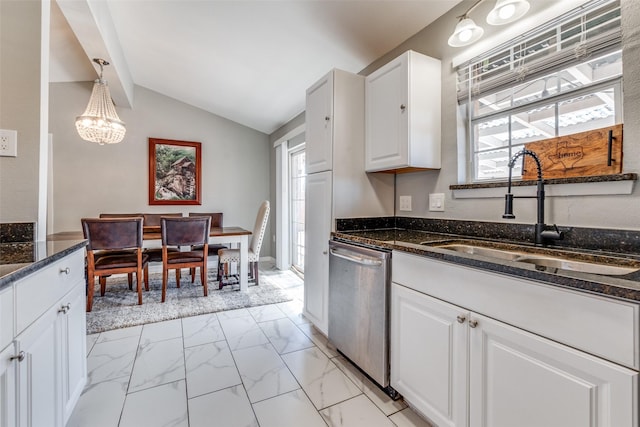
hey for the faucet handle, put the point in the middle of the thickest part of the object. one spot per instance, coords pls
(555, 234)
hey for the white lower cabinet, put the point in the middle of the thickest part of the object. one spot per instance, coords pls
(43, 371)
(460, 368)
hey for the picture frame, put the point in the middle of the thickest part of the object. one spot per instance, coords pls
(175, 172)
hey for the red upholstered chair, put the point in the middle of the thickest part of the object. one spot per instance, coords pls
(115, 247)
(185, 231)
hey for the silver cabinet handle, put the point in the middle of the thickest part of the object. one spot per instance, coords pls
(327, 118)
(403, 107)
(19, 357)
(64, 308)
(324, 252)
(473, 323)
(65, 270)
(461, 319)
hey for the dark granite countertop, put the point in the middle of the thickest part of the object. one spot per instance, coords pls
(625, 287)
(19, 259)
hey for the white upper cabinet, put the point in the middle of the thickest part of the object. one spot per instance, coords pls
(402, 104)
(319, 122)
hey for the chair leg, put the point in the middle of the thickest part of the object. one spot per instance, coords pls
(146, 277)
(103, 285)
(92, 285)
(165, 273)
(193, 274)
(139, 284)
(130, 279)
(178, 277)
(256, 276)
(203, 279)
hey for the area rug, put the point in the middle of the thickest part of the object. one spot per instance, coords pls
(119, 308)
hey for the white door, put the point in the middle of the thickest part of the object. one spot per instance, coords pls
(8, 386)
(297, 178)
(520, 379)
(319, 125)
(386, 117)
(318, 230)
(39, 373)
(429, 355)
(72, 321)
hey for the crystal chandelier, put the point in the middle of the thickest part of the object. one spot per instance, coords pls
(100, 122)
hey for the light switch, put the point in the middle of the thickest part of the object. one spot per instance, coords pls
(405, 203)
(436, 202)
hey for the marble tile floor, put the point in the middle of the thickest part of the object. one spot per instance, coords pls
(263, 366)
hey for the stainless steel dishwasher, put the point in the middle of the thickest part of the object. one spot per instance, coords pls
(359, 287)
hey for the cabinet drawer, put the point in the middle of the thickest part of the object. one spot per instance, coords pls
(6, 317)
(39, 291)
(601, 326)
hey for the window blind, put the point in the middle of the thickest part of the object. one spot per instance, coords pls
(589, 31)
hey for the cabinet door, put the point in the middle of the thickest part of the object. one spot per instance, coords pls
(38, 373)
(8, 388)
(72, 321)
(316, 259)
(429, 355)
(319, 126)
(386, 120)
(520, 379)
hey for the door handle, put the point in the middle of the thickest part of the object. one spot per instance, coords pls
(19, 357)
(355, 258)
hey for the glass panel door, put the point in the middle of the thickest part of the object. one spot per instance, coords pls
(297, 177)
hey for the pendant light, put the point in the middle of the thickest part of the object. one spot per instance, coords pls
(506, 11)
(100, 122)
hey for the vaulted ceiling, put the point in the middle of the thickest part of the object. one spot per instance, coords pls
(249, 61)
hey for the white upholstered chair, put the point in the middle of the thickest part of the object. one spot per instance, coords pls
(226, 256)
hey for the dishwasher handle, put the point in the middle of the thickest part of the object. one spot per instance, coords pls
(353, 257)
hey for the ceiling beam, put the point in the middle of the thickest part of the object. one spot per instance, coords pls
(91, 22)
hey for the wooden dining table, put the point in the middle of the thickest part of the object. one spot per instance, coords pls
(220, 235)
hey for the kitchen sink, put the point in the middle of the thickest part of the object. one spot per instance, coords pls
(585, 263)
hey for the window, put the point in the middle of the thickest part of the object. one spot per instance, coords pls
(562, 78)
(297, 179)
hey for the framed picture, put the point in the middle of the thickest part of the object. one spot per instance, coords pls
(174, 172)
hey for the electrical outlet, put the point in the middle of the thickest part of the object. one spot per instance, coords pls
(405, 203)
(436, 202)
(8, 143)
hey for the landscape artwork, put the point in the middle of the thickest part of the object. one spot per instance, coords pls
(174, 172)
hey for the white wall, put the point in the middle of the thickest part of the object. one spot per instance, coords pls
(90, 179)
(588, 211)
(21, 93)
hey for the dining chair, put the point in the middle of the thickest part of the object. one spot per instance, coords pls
(114, 247)
(153, 220)
(227, 256)
(119, 215)
(185, 231)
(216, 222)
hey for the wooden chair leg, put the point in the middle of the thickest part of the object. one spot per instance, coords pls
(178, 277)
(203, 279)
(193, 274)
(165, 273)
(130, 279)
(139, 284)
(103, 285)
(92, 285)
(146, 277)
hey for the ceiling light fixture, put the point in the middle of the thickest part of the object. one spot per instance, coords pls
(100, 122)
(504, 12)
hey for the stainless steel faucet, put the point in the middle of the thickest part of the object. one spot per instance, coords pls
(542, 235)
